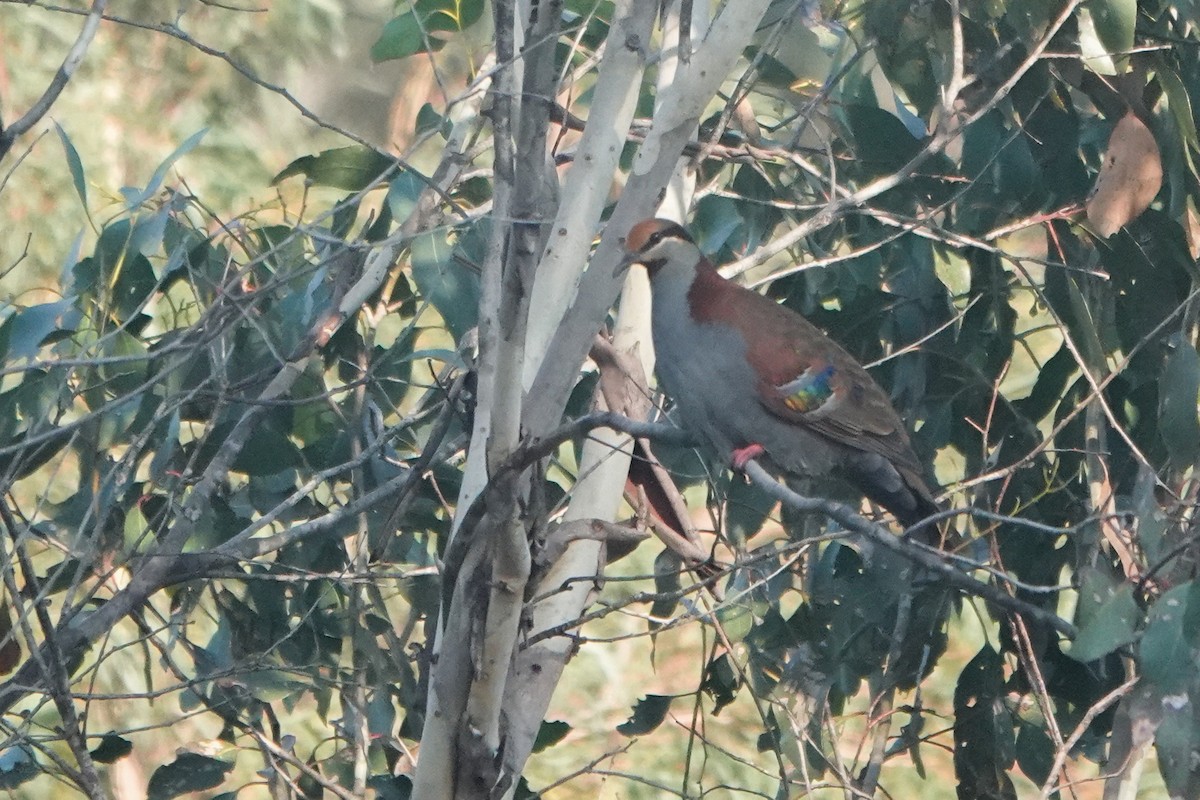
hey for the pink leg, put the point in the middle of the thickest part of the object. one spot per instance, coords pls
(740, 456)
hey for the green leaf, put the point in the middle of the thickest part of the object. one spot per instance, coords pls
(1035, 753)
(23, 333)
(1179, 388)
(189, 772)
(350, 168)
(381, 714)
(1085, 328)
(1180, 104)
(667, 570)
(737, 619)
(411, 32)
(450, 286)
(111, 748)
(983, 738)
(648, 714)
(721, 681)
(135, 199)
(714, 221)
(147, 235)
(747, 508)
(268, 451)
(1114, 624)
(550, 733)
(1165, 652)
(404, 191)
(1176, 742)
(75, 164)
(1115, 21)
(389, 787)
(428, 119)
(132, 284)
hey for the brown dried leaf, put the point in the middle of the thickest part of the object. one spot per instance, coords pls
(745, 120)
(1191, 228)
(1129, 179)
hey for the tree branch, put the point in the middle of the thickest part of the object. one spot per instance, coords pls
(920, 555)
(71, 63)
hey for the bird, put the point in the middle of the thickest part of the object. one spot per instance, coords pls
(756, 379)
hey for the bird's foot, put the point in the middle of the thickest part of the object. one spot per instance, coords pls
(740, 456)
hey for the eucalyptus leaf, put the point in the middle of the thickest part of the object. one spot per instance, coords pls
(450, 285)
(189, 772)
(1168, 653)
(648, 714)
(1179, 389)
(412, 32)
(352, 168)
(1113, 625)
(74, 164)
(136, 197)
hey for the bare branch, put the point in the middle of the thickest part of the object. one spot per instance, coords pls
(59, 82)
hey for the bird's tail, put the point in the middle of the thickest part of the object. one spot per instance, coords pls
(907, 496)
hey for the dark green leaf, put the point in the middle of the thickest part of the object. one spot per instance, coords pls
(721, 681)
(884, 143)
(402, 37)
(983, 743)
(111, 748)
(715, 220)
(1035, 753)
(1181, 105)
(403, 192)
(410, 33)
(1165, 652)
(667, 570)
(350, 168)
(747, 508)
(550, 733)
(1114, 624)
(381, 714)
(133, 283)
(23, 333)
(269, 450)
(391, 787)
(1177, 741)
(189, 772)
(648, 714)
(1179, 388)
(74, 164)
(428, 119)
(451, 286)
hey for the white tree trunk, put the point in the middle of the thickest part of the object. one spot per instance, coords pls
(474, 694)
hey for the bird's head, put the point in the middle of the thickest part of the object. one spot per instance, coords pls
(655, 243)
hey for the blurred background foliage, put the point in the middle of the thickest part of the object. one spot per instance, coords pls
(173, 385)
(144, 88)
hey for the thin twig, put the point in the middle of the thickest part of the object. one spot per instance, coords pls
(58, 82)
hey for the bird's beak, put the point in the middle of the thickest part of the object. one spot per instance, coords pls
(625, 263)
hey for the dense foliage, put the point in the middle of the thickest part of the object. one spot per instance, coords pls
(237, 453)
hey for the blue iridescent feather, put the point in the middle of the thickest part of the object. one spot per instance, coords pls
(809, 391)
